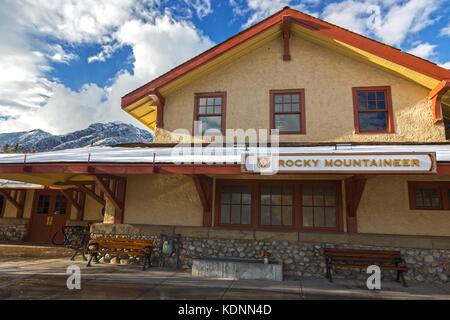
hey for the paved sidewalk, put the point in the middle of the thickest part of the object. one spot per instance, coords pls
(33, 278)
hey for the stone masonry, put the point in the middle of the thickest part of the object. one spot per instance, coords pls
(302, 257)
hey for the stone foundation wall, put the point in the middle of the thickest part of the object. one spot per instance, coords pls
(13, 229)
(428, 258)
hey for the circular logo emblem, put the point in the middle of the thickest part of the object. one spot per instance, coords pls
(263, 162)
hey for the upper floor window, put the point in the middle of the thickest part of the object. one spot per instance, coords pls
(209, 113)
(373, 110)
(288, 111)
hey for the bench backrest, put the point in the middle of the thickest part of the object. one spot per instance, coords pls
(362, 254)
(123, 243)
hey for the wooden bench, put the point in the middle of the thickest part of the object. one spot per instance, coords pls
(361, 258)
(75, 238)
(100, 246)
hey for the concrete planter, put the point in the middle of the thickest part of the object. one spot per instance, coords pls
(237, 269)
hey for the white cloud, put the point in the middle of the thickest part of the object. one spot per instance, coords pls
(445, 65)
(446, 31)
(424, 50)
(261, 9)
(56, 53)
(158, 41)
(391, 21)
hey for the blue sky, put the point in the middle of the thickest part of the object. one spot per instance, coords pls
(67, 63)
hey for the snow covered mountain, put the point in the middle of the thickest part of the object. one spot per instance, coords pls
(97, 134)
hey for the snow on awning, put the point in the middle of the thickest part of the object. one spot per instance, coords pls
(207, 155)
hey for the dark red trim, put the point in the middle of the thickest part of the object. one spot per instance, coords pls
(119, 169)
(389, 109)
(286, 38)
(323, 28)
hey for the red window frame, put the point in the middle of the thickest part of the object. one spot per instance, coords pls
(297, 218)
(388, 109)
(197, 114)
(301, 111)
(442, 187)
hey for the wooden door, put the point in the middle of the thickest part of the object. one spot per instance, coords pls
(51, 211)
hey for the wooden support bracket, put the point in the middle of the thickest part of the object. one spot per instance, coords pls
(204, 186)
(354, 188)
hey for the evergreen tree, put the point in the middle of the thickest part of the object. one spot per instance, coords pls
(16, 148)
(6, 148)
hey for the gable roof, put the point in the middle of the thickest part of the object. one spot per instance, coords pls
(421, 71)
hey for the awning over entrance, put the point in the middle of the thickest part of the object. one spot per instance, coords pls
(50, 168)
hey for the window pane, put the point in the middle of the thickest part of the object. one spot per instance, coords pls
(225, 214)
(246, 214)
(210, 110)
(319, 217)
(235, 214)
(202, 101)
(295, 98)
(330, 217)
(287, 216)
(286, 98)
(318, 197)
(211, 123)
(372, 121)
(287, 197)
(278, 99)
(276, 196)
(372, 96)
(308, 219)
(236, 198)
(218, 101)
(381, 105)
(202, 110)
(295, 107)
(246, 198)
(43, 204)
(330, 196)
(265, 215)
(217, 110)
(419, 198)
(225, 197)
(372, 105)
(265, 197)
(380, 96)
(60, 205)
(307, 195)
(210, 101)
(287, 108)
(278, 108)
(287, 122)
(276, 215)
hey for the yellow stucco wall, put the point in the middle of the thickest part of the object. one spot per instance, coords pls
(327, 78)
(162, 200)
(92, 210)
(11, 211)
(384, 208)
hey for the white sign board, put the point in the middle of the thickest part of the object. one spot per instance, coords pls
(340, 163)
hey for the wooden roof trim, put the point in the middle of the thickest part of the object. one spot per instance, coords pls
(325, 28)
